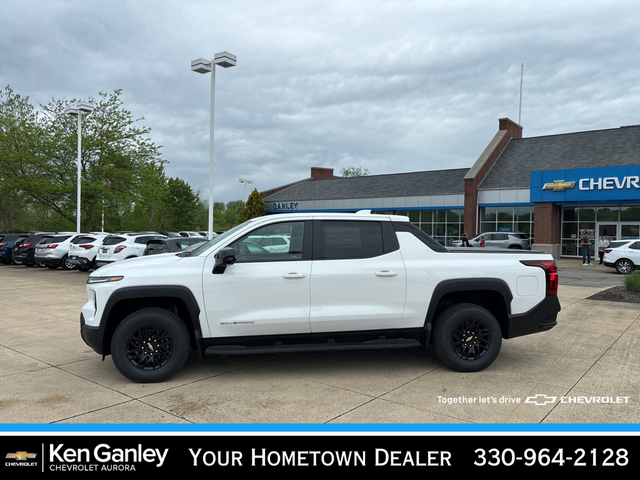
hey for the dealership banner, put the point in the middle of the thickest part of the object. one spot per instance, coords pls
(605, 184)
(297, 454)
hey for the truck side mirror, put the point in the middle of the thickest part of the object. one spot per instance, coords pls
(224, 258)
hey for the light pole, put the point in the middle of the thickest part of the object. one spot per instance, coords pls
(200, 65)
(245, 181)
(78, 110)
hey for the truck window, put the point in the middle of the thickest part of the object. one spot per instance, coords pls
(343, 240)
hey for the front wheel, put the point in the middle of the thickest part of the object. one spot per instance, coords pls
(150, 345)
(624, 266)
(467, 337)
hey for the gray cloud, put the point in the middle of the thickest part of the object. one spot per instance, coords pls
(388, 86)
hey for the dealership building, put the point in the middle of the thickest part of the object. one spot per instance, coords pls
(554, 188)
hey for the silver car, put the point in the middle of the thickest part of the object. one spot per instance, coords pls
(517, 240)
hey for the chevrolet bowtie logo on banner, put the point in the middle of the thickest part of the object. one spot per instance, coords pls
(558, 185)
(21, 456)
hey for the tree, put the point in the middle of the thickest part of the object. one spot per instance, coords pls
(354, 172)
(255, 207)
(121, 168)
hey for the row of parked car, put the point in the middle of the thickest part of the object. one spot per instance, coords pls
(84, 251)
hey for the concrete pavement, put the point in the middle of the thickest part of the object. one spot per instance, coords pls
(585, 370)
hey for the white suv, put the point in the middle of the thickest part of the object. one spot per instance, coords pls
(126, 245)
(83, 251)
(623, 255)
(55, 252)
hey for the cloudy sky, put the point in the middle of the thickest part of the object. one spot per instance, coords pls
(388, 85)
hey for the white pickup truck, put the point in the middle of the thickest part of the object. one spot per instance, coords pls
(347, 281)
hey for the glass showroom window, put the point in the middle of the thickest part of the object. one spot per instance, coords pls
(507, 219)
(623, 221)
(444, 224)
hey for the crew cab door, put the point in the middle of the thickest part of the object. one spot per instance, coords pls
(358, 279)
(265, 292)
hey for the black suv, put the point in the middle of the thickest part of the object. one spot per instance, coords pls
(24, 252)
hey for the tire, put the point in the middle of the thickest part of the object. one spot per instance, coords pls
(66, 265)
(150, 345)
(624, 266)
(467, 337)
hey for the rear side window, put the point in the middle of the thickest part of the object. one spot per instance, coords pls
(113, 240)
(345, 239)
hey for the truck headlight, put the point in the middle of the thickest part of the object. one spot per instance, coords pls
(112, 278)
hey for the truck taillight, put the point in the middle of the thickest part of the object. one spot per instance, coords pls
(119, 248)
(551, 270)
(51, 245)
(86, 247)
(3, 244)
(606, 250)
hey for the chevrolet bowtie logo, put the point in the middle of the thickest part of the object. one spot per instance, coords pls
(21, 455)
(558, 185)
(540, 400)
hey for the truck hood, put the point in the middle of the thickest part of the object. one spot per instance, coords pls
(148, 261)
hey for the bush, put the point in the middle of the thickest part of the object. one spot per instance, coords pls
(632, 281)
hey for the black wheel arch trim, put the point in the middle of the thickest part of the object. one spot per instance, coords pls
(99, 337)
(465, 287)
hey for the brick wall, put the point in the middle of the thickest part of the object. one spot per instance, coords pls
(507, 129)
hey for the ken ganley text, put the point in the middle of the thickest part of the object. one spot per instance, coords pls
(320, 458)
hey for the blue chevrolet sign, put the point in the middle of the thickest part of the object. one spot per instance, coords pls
(586, 184)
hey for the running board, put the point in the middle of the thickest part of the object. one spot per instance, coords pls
(386, 344)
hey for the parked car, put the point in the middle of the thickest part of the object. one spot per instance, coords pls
(24, 252)
(517, 240)
(6, 246)
(171, 245)
(623, 255)
(83, 252)
(272, 243)
(186, 233)
(122, 247)
(56, 253)
(52, 252)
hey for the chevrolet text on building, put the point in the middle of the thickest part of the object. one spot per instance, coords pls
(609, 183)
(346, 281)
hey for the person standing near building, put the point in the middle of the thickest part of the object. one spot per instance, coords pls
(482, 240)
(585, 244)
(465, 241)
(604, 243)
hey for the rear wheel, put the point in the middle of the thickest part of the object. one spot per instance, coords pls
(66, 263)
(624, 266)
(467, 337)
(150, 345)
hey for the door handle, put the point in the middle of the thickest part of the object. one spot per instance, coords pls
(386, 273)
(294, 275)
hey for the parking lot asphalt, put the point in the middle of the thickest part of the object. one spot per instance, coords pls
(585, 370)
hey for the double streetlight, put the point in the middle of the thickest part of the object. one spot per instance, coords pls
(78, 110)
(200, 65)
(245, 181)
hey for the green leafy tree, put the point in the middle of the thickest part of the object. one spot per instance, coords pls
(354, 172)
(255, 207)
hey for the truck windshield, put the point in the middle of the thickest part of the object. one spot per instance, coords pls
(206, 245)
